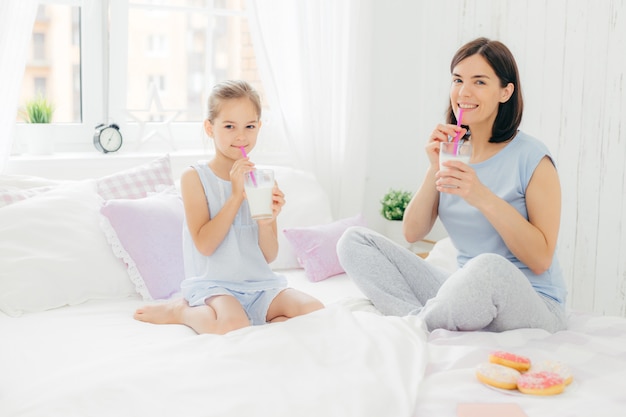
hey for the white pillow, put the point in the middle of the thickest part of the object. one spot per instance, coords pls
(306, 205)
(28, 181)
(443, 255)
(53, 252)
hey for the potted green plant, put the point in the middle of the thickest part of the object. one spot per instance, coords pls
(38, 112)
(393, 204)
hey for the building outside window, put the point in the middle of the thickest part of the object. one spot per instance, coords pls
(181, 47)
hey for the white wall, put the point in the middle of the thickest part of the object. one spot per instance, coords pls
(572, 62)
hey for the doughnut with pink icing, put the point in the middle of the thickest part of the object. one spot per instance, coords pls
(498, 376)
(520, 363)
(556, 367)
(540, 383)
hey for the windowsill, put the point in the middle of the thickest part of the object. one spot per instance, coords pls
(81, 165)
(73, 156)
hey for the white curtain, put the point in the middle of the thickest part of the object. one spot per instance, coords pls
(312, 57)
(16, 26)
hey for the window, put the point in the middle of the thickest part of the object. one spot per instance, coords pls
(155, 67)
(39, 86)
(159, 83)
(176, 51)
(39, 47)
(54, 62)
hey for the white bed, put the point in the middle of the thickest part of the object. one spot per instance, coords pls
(71, 348)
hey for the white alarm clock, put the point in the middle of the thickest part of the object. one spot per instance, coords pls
(107, 138)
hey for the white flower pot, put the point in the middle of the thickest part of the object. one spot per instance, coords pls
(40, 139)
(393, 230)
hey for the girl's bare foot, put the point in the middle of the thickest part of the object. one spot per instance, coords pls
(164, 313)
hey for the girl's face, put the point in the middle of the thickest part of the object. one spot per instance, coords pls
(237, 124)
(476, 89)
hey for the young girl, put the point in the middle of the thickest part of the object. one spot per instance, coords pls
(502, 212)
(229, 284)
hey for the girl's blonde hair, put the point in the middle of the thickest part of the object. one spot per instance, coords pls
(232, 89)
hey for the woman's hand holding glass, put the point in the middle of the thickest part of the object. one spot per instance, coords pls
(442, 133)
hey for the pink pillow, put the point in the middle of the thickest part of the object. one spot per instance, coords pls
(316, 247)
(147, 234)
(137, 182)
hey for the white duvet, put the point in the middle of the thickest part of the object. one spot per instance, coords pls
(96, 361)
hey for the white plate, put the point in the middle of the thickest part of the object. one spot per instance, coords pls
(568, 390)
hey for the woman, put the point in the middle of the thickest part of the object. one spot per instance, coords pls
(502, 212)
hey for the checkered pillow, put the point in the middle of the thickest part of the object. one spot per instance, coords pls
(137, 182)
(13, 195)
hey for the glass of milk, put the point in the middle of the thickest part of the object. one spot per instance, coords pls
(451, 151)
(258, 185)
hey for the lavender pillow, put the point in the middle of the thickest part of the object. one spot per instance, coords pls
(146, 233)
(316, 247)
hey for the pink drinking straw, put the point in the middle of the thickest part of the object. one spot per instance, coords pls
(458, 134)
(245, 155)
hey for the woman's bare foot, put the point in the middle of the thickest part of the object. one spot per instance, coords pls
(164, 313)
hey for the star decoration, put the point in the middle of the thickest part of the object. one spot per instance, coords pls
(159, 119)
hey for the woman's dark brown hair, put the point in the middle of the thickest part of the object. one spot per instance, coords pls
(503, 63)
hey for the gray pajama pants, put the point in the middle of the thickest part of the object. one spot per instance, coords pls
(488, 293)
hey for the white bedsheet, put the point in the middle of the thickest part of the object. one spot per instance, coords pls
(94, 360)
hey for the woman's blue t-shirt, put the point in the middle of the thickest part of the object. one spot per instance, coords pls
(507, 174)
